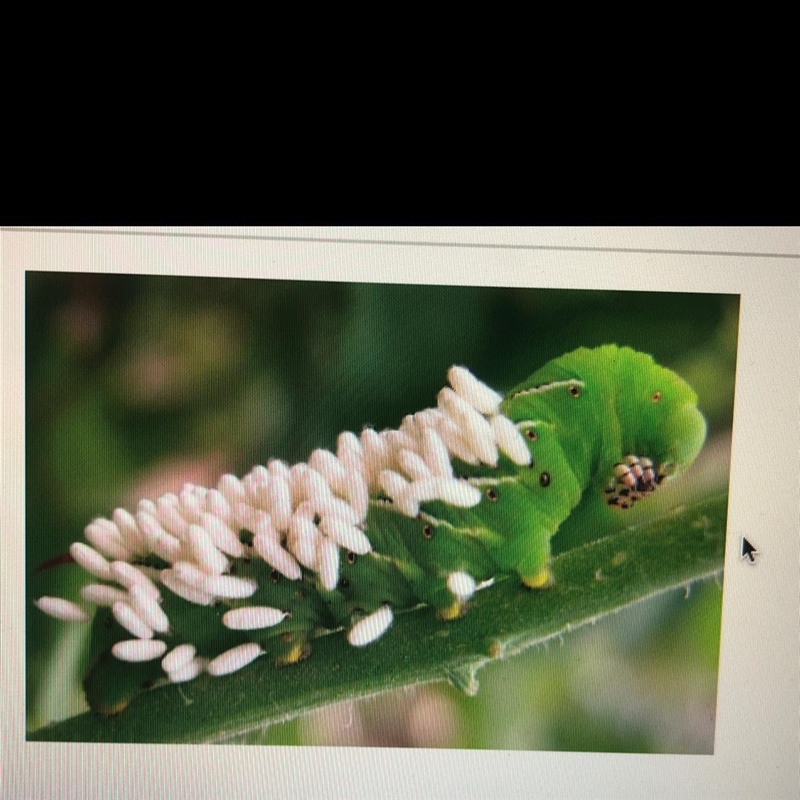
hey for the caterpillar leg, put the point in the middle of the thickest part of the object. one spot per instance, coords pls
(455, 610)
(634, 478)
(534, 570)
(541, 579)
(294, 647)
(460, 586)
(110, 689)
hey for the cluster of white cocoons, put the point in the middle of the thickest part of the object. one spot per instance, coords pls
(300, 516)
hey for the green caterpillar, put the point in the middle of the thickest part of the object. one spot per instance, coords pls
(209, 580)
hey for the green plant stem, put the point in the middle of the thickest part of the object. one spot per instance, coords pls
(591, 581)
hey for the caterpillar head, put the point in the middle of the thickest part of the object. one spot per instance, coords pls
(661, 429)
(621, 418)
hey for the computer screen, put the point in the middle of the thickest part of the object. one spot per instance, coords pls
(401, 512)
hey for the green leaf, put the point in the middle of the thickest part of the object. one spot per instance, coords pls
(591, 582)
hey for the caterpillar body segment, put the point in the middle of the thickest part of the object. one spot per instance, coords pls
(473, 488)
(609, 405)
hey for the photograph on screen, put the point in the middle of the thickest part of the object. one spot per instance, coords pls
(382, 515)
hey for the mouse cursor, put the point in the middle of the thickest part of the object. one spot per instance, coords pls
(748, 551)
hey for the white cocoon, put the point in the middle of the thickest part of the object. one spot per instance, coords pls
(65, 610)
(234, 659)
(178, 657)
(139, 649)
(370, 628)
(251, 618)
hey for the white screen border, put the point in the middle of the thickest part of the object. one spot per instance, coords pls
(758, 731)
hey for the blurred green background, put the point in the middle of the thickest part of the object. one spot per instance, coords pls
(137, 384)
